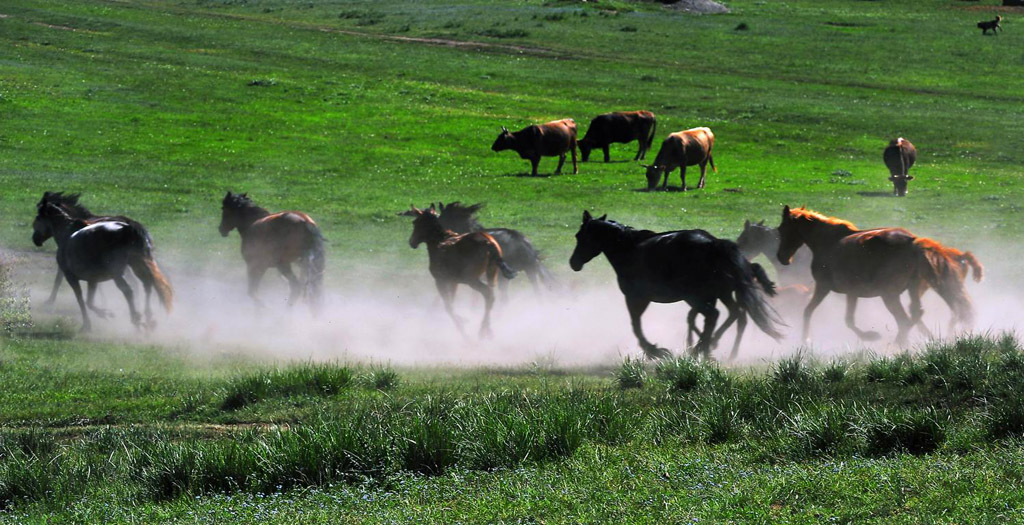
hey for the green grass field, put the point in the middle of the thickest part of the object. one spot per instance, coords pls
(350, 111)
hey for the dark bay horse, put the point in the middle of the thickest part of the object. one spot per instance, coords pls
(69, 203)
(276, 240)
(102, 251)
(459, 259)
(882, 262)
(516, 249)
(758, 239)
(686, 265)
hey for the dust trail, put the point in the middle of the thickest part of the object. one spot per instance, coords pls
(405, 324)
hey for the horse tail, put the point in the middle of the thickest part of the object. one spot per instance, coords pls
(546, 276)
(762, 277)
(316, 263)
(144, 265)
(494, 249)
(163, 287)
(944, 270)
(969, 259)
(749, 295)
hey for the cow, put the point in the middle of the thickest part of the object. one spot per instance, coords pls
(541, 140)
(620, 126)
(679, 150)
(899, 156)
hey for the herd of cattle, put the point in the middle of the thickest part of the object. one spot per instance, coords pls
(691, 147)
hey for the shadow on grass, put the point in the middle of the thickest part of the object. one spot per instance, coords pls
(670, 189)
(874, 193)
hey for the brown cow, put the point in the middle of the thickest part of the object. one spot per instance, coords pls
(620, 126)
(899, 156)
(541, 140)
(679, 150)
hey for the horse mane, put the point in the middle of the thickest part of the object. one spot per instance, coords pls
(66, 202)
(811, 215)
(631, 233)
(241, 201)
(456, 211)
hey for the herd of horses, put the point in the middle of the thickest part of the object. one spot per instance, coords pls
(808, 250)
(690, 147)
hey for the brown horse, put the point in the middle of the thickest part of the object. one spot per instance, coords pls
(276, 241)
(882, 262)
(459, 259)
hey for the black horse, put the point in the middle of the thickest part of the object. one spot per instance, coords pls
(517, 250)
(102, 251)
(758, 239)
(69, 203)
(686, 265)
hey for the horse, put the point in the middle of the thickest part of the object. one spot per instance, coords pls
(276, 241)
(758, 239)
(69, 203)
(459, 259)
(516, 249)
(684, 265)
(102, 251)
(882, 262)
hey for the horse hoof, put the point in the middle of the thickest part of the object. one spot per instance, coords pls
(870, 335)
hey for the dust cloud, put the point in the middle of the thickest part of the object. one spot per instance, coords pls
(403, 322)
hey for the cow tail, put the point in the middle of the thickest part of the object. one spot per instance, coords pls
(903, 157)
(711, 159)
(654, 132)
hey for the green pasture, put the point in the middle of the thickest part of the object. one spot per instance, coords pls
(352, 110)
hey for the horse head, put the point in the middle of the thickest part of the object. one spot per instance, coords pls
(588, 243)
(426, 226)
(790, 237)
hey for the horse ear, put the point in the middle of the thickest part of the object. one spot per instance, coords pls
(586, 216)
(746, 224)
(785, 211)
(476, 207)
(603, 217)
(761, 223)
(504, 129)
(431, 209)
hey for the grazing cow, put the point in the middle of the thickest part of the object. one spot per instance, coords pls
(621, 126)
(899, 156)
(679, 150)
(991, 24)
(541, 140)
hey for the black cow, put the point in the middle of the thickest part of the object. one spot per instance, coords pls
(541, 140)
(899, 156)
(622, 127)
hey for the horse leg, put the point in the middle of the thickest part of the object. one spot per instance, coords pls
(447, 291)
(129, 296)
(56, 284)
(142, 274)
(916, 311)
(819, 295)
(294, 285)
(637, 307)
(710, 319)
(255, 275)
(691, 327)
(903, 324)
(851, 311)
(703, 172)
(77, 288)
(736, 315)
(561, 162)
(488, 293)
(90, 301)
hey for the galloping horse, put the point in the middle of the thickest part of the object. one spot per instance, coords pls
(276, 241)
(516, 249)
(69, 203)
(758, 239)
(100, 252)
(686, 265)
(459, 259)
(882, 262)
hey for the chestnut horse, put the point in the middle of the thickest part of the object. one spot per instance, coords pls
(276, 241)
(69, 203)
(685, 265)
(102, 251)
(459, 259)
(883, 262)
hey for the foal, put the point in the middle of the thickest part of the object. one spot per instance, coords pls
(459, 259)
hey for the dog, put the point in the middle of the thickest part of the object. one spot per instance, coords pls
(990, 24)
